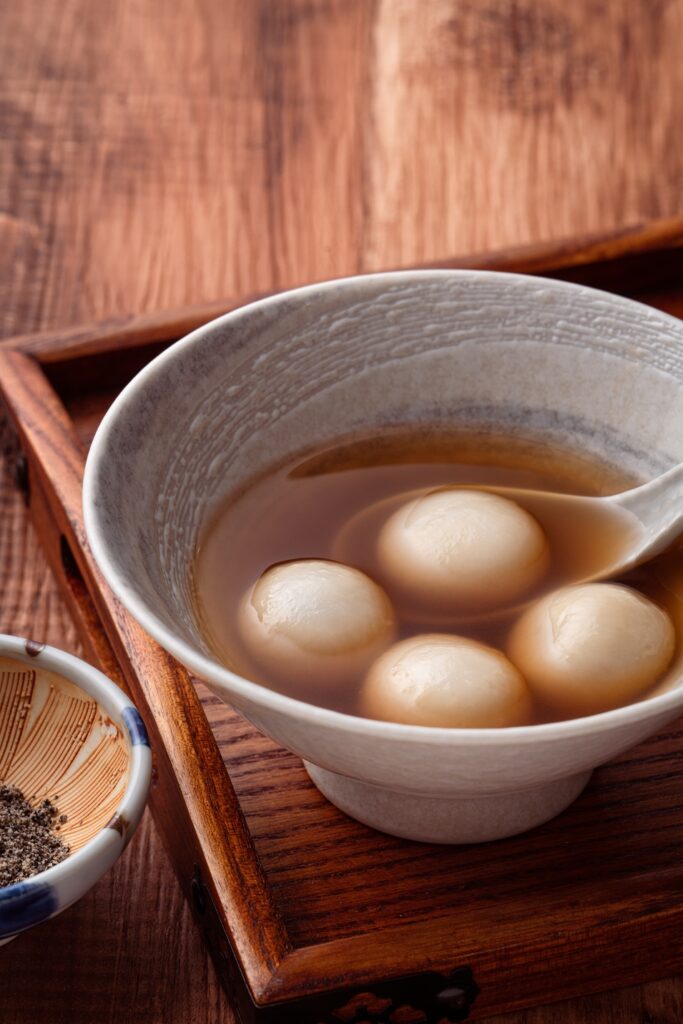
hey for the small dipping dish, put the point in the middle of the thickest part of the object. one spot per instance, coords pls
(69, 735)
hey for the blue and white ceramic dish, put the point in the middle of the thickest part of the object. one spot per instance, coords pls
(67, 733)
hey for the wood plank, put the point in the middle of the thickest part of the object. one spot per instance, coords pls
(628, 259)
(539, 121)
(187, 152)
(98, 166)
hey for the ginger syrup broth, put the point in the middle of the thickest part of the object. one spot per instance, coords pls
(332, 503)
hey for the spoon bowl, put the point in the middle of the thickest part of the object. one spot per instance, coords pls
(592, 538)
(617, 532)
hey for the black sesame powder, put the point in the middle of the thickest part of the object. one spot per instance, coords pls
(28, 843)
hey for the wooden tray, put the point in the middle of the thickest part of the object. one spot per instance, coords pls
(312, 918)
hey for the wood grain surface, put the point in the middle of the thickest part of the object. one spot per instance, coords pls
(155, 155)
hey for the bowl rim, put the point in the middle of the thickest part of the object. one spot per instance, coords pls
(228, 682)
(114, 702)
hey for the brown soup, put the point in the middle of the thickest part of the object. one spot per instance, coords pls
(324, 504)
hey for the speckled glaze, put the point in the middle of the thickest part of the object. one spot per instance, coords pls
(580, 367)
(69, 734)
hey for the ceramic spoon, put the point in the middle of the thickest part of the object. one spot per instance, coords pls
(613, 534)
(590, 538)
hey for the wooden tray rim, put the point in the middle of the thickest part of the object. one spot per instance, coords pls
(273, 967)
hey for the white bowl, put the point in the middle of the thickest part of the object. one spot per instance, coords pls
(581, 368)
(67, 733)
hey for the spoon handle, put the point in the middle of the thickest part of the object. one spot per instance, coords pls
(659, 507)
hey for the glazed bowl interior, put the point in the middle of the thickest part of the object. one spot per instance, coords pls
(561, 365)
(58, 743)
(579, 368)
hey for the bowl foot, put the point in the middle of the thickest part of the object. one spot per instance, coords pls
(447, 819)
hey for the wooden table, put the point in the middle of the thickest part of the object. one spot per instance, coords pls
(155, 154)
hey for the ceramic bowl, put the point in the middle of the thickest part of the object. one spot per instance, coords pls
(67, 733)
(574, 366)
